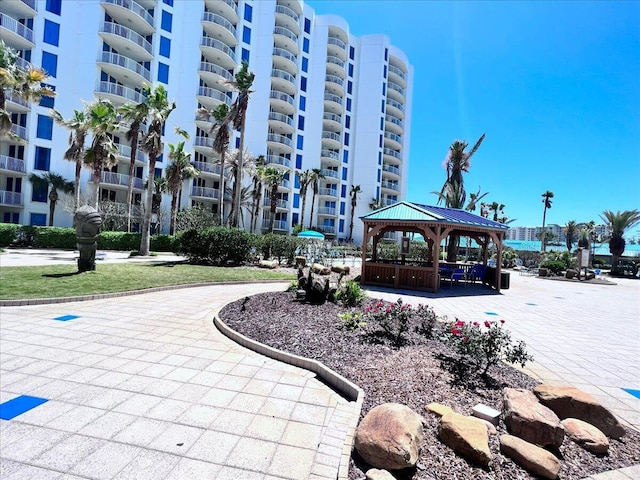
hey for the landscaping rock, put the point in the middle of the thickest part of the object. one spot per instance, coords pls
(530, 457)
(268, 264)
(467, 436)
(438, 409)
(528, 419)
(341, 269)
(300, 261)
(376, 474)
(389, 437)
(320, 269)
(586, 435)
(571, 402)
(487, 413)
(491, 428)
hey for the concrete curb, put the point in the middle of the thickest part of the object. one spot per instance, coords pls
(336, 381)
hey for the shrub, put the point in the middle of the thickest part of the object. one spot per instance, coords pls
(482, 349)
(351, 321)
(392, 318)
(216, 245)
(8, 233)
(279, 246)
(195, 218)
(554, 266)
(388, 251)
(428, 318)
(350, 294)
(162, 243)
(124, 241)
(419, 251)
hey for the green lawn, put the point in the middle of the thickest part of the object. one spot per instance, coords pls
(63, 280)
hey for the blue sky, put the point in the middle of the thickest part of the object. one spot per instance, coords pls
(554, 85)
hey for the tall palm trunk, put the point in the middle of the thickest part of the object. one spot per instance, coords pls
(238, 183)
(221, 206)
(76, 185)
(132, 171)
(174, 213)
(313, 203)
(53, 199)
(145, 241)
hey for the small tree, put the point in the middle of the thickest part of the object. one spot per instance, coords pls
(304, 178)
(570, 232)
(353, 194)
(316, 175)
(274, 178)
(177, 172)
(618, 223)
(56, 183)
(546, 199)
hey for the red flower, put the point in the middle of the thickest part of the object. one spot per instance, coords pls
(455, 331)
(459, 323)
(501, 321)
(466, 339)
(487, 323)
(476, 324)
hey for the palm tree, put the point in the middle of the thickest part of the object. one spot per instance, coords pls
(273, 177)
(220, 130)
(570, 232)
(375, 203)
(474, 199)
(353, 194)
(304, 178)
(248, 166)
(453, 197)
(57, 183)
(137, 115)
(546, 199)
(24, 84)
(159, 109)
(237, 116)
(618, 223)
(497, 209)
(177, 172)
(79, 127)
(101, 154)
(457, 162)
(316, 175)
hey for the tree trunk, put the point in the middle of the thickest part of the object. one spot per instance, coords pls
(95, 194)
(76, 186)
(543, 233)
(53, 199)
(145, 240)
(452, 250)
(236, 200)
(313, 202)
(304, 204)
(174, 211)
(221, 203)
(132, 169)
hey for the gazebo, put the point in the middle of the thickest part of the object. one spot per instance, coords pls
(434, 224)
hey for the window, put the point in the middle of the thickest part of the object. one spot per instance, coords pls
(163, 72)
(305, 64)
(39, 219)
(346, 139)
(348, 104)
(167, 20)
(238, 142)
(352, 53)
(305, 45)
(342, 207)
(380, 141)
(43, 157)
(298, 165)
(165, 47)
(39, 192)
(169, 2)
(246, 34)
(245, 55)
(303, 103)
(307, 25)
(382, 106)
(300, 122)
(51, 33)
(303, 84)
(157, 173)
(296, 200)
(384, 89)
(343, 191)
(381, 123)
(386, 54)
(300, 142)
(344, 172)
(351, 69)
(345, 156)
(161, 157)
(347, 121)
(248, 12)
(384, 72)
(45, 127)
(48, 102)
(341, 226)
(11, 217)
(50, 63)
(54, 6)
(295, 218)
(349, 87)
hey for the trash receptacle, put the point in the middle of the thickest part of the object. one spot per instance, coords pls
(505, 279)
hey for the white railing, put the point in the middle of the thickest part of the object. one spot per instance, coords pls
(125, 62)
(328, 192)
(19, 131)
(23, 64)
(124, 32)
(277, 224)
(287, 11)
(213, 93)
(334, 79)
(284, 161)
(391, 186)
(335, 60)
(232, 4)
(203, 142)
(218, 20)
(327, 211)
(332, 116)
(282, 96)
(394, 120)
(206, 192)
(281, 52)
(395, 87)
(338, 42)
(393, 153)
(125, 151)
(218, 45)
(393, 136)
(331, 136)
(120, 90)
(207, 167)
(398, 72)
(114, 178)
(279, 203)
(284, 75)
(10, 198)
(333, 154)
(134, 7)
(12, 97)
(11, 163)
(331, 229)
(213, 68)
(333, 98)
(393, 103)
(12, 24)
(285, 32)
(281, 117)
(274, 137)
(325, 172)
(391, 169)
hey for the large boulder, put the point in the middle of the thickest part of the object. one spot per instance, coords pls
(320, 269)
(586, 435)
(528, 419)
(438, 409)
(571, 402)
(467, 436)
(341, 269)
(389, 437)
(530, 457)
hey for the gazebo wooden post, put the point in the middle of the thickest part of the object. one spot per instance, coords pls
(365, 242)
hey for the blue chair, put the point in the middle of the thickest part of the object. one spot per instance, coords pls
(457, 275)
(476, 272)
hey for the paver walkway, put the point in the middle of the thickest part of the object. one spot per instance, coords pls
(144, 386)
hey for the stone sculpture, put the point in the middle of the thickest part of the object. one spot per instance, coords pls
(88, 222)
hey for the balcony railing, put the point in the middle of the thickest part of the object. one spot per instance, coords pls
(338, 42)
(281, 117)
(287, 11)
(284, 75)
(334, 79)
(393, 136)
(125, 151)
(23, 64)
(285, 32)
(16, 99)
(277, 224)
(16, 27)
(282, 96)
(325, 172)
(398, 72)
(391, 169)
(393, 153)
(274, 137)
(335, 60)
(333, 154)
(30, 3)
(134, 7)
(19, 131)
(330, 192)
(393, 103)
(278, 160)
(218, 45)
(332, 116)
(232, 4)
(391, 186)
(395, 87)
(213, 68)
(394, 120)
(203, 142)
(10, 198)
(125, 62)
(206, 192)
(218, 20)
(327, 211)
(120, 90)
(116, 29)
(207, 167)
(333, 98)
(331, 136)
(279, 203)
(120, 179)
(281, 52)
(213, 93)
(11, 163)
(330, 229)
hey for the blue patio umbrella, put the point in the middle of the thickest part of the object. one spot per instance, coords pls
(311, 234)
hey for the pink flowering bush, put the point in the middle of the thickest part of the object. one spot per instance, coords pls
(482, 348)
(395, 319)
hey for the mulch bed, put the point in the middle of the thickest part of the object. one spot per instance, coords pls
(415, 374)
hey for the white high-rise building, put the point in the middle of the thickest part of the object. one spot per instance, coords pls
(322, 99)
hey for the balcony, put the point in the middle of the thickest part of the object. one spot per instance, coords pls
(396, 92)
(227, 8)
(330, 157)
(283, 81)
(128, 12)
(327, 173)
(118, 94)
(332, 121)
(331, 139)
(333, 103)
(280, 225)
(11, 164)
(15, 34)
(328, 192)
(219, 27)
(285, 60)
(279, 143)
(211, 98)
(205, 192)
(395, 108)
(394, 154)
(278, 160)
(337, 47)
(10, 198)
(391, 169)
(281, 204)
(285, 38)
(334, 84)
(282, 102)
(327, 211)
(327, 229)
(393, 124)
(207, 168)
(120, 179)
(123, 68)
(392, 140)
(287, 18)
(218, 52)
(124, 39)
(281, 123)
(15, 104)
(390, 186)
(398, 76)
(20, 8)
(203, 145)
(20, 132)
(124, 151)
(335, 66)
(212, 73)
(285, 32)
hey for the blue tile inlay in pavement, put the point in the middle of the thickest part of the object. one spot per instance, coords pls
(19, 405)
(635, 393)
(65, 318)
(532, 304)
(490, 313)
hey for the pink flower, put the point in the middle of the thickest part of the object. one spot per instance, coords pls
(459, 323)
(476, 324)
(502, 321)
(487, 323)
(455, 331)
